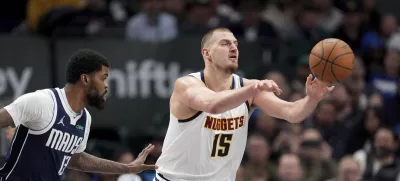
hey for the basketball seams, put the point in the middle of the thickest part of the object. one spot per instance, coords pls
(322, 54)
(332, 62)
(337, 57)
(323, 70)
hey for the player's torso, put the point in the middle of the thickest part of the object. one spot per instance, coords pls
(206, 147)
(42, 155)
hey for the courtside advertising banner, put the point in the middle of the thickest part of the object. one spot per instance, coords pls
(142, 76)
(24, 67)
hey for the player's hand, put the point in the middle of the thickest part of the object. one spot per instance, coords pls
(138, 165)
(317, 89)
(268, 85)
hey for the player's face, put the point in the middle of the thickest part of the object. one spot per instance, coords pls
(96, 94)
(224, 51)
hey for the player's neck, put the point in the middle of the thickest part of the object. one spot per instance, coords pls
(75, 97)
(217, 80)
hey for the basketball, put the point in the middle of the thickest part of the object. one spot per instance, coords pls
(331, 60)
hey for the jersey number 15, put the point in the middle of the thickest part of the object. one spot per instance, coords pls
(221, 145)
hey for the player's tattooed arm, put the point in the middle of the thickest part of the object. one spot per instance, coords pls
(88, 163)
(5, 119)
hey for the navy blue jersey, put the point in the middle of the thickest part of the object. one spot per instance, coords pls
(44, 157)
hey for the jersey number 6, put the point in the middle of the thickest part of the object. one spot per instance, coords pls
(221, 145)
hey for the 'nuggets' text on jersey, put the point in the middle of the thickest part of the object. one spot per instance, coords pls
(224, 124)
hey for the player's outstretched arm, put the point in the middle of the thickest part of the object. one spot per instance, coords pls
(194, 94)
(293, 112)
(5, 119)
(88, 163)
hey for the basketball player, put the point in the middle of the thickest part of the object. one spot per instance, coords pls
(52, 126)
(207, 132)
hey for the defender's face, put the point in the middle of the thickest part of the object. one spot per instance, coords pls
(98, 88)
(224, 51)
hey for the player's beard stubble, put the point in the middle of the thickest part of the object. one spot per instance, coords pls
(229, 69)
(95, 98)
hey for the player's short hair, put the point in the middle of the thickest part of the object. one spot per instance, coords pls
(84, 61)
(206, 38)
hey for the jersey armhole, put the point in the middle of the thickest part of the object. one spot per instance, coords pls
(190, 118)
(199, 112)
(247, 101)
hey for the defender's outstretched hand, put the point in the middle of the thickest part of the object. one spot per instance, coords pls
(268, 85)
(138, 165)
(317, 89)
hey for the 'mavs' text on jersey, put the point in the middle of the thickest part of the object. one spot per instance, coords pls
(63, 141)
(223, 124)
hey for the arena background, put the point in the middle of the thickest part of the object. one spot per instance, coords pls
(276, 36)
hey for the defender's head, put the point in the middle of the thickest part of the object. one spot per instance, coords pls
(89, 70)
(219, 48)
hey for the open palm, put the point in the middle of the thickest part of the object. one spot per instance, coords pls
(317, 89)
(138, 165)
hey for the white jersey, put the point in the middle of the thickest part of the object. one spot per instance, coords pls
(205, 147)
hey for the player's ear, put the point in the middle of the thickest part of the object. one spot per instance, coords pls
(84, 79)
(205, 53)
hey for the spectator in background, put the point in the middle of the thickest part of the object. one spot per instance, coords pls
(302, 70)
(176, 8)
(357, 84)
(279, 79)
(307, 31)
(349, 170)
(157, 141)
(372, 16)
(68, 21)
(386, 82)
(381, 164)
(331, 17)
(392, 106)
(325, 120)
(348, 112)
(151, 24)
(200, 18)
(288, 139)
(363, 132)
(240, 174)
(125, 156)
(316, 157)
(36, 9)
(252, 27)
(258, 164)
(266, 126)
(351, 31)
(280, 14)
(225, 12)
(289, 168)
(375, 40)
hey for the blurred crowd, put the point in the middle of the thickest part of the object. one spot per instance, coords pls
(353, 134)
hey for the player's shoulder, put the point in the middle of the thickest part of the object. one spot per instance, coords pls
(188, 80)
(42, 96)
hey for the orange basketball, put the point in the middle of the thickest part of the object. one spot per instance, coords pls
(331, 60)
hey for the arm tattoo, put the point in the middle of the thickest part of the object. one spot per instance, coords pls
(88, 163)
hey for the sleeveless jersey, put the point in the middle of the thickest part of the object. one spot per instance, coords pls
(205, 147)
(43, 155)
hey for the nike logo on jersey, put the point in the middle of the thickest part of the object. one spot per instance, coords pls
(63, 141)
(61, 121)
(224, 124)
